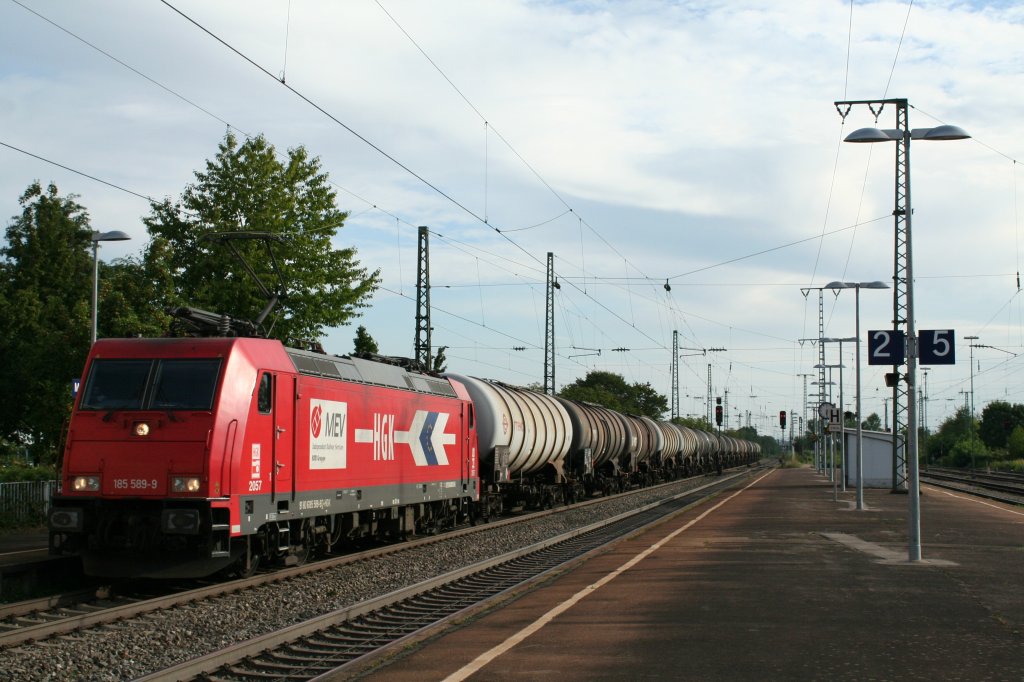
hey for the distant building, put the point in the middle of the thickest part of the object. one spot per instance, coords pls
(877, 458)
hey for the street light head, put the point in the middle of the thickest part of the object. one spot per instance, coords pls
(943, 132)
(857, 285)
(112, 236)
(873, 135)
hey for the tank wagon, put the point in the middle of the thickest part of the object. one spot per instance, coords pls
(191, 456)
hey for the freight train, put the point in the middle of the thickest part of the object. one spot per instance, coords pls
(187, 457)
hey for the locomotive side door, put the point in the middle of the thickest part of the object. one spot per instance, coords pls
(283, 438)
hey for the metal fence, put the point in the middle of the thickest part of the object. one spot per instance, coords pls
(25, 502)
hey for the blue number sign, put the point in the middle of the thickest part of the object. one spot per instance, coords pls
(886, 347)
(937, 347)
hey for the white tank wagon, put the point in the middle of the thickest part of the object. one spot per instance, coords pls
(740, 452)
(673, 443)
(598, 435)
(641, 439)
(687, 458)
(707, 449)
(599, 439)
(519, 432)
(726, 449)
(658, 440)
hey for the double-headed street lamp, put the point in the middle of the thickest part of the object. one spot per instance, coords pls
(857, 286)
(97, 237)
(904, 271)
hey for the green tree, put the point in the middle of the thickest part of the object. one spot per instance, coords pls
(700, 423)
(998, 420)
(1015, 444)
(45, 317)
(363, 342)
(246, 188)
(956, 428)
(134, 293)
(872, 423)
(439, 361)
(967, 452)
(612, 391)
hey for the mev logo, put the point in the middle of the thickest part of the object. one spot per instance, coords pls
(328, 429)
(315, 422)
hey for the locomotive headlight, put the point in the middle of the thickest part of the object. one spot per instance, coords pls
(83, 484)
(141, 429)
(185, 484)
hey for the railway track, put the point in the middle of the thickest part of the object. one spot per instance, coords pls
(25, 623)
(45, 617)
(1003, 487)
(346, 638)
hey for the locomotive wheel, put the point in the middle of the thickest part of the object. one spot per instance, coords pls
(299, 553)
(254, 565)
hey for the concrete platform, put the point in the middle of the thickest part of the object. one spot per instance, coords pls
(775, 581)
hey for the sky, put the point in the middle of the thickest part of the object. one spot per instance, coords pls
(643, 144)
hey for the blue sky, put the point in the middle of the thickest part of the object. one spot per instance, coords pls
(639, 142)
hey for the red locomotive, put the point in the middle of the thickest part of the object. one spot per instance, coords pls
(186, 456)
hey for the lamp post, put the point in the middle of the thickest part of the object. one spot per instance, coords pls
(97, 237)
(902, 135)
(857, 286)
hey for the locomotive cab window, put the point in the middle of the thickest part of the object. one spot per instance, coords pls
(116, 385)
(151, 384)
(264, 399)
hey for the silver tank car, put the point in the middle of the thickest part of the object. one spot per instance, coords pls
(673, 441)
(657, 435)
(706, 449)
(689, 447)
(640, 442)
(534, 428)
(595, 430)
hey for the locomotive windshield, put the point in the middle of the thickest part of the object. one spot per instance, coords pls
(151, 384)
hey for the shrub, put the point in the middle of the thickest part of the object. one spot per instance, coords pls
(13, 473)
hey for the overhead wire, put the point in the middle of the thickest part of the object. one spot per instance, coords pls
(428, 184)
(490, 127)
